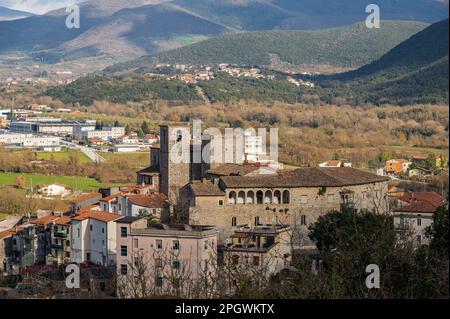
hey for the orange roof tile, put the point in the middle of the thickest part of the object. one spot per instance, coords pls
(44, 220)
(154, 200)
(10, 232)
(101, 216)
(85, 197)
(64, 220)
(109, 198)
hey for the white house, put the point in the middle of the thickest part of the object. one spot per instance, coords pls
(127, 148)
(55, 190)
(94, 238)
(150, 139)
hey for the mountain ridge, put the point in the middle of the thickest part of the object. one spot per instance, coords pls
(342, 47)
(7, 14)
(47, 33)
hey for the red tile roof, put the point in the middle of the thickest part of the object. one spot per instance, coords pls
(85, 197)
(101, 216)
(9, 232)
(418, 207)
(154, 200)
(65, 220)
(430, 197)
(45, 220)
(109, 198)
(333, 162)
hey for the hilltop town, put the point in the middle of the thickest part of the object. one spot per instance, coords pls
(184, 223)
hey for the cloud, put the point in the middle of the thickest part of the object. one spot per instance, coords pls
(37, 6)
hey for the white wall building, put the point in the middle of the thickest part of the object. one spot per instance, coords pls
(29, 140)
(55, 190)
(107, 133)
(129, 148)
(94, 238)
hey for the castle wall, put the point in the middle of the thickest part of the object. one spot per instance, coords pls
(310, 202)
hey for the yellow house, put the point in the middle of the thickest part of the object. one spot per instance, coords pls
(397, 166)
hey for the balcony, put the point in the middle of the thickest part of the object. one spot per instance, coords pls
(60, 234)
(56, 246)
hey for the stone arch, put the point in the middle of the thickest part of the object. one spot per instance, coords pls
(286, 197)
(277, 197)
(250, 197)
(241, 197)
(268, 197)
(259, 197)
(232, 198)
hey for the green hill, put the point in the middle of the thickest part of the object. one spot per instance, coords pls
(416, 71)
(345, 47)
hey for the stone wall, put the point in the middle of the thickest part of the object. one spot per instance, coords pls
(305, 204)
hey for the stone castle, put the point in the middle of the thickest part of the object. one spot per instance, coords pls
(230, 195)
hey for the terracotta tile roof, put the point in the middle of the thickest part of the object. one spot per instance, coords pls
(207, 188)
(109, 198)
(45, 220)
(150, 136)
(306, 177)
(101, 216)
(9, 232)
(154, 200)
(85, 197)
(65, 220)
(93, 207)
(333, 163)
(430, 197)
(420, 156)
(418, 207)
(234, 169)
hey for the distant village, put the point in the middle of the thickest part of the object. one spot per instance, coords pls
(31, 128)
(191, 74)
(182, 222)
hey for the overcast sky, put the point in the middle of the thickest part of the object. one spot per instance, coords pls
(37, 6)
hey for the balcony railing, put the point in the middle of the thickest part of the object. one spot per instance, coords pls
(60, 234)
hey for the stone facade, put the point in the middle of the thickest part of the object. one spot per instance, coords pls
(303, 207)
(243, 195)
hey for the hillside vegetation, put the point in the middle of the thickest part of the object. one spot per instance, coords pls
(414, 71)
(346, 47)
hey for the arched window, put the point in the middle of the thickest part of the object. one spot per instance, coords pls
(232, 198)
(259, 197)
(250, 197)
(233, 222)
(268, 197)
(286, 197)
(277, 197)
(303, 220)
(419, 220)
(241, 197)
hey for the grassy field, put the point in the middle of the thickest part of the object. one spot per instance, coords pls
(57, 156)
(77, 183)
(62, 156)
(135, 159)
(3, 216)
